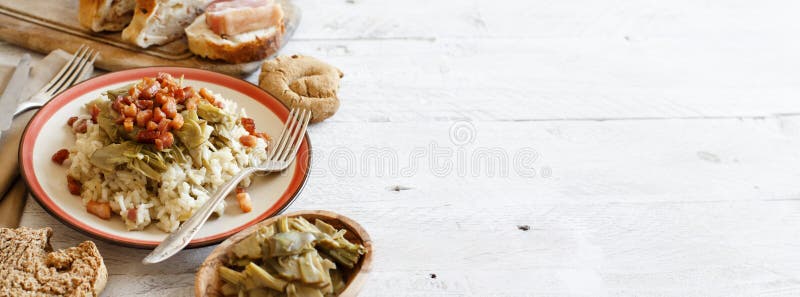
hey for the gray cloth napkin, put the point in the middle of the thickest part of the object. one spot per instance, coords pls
(12, 187)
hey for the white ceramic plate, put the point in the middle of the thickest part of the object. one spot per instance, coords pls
(47, 133)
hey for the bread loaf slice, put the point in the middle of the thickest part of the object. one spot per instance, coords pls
(29, 267)
(240, 48)
(105, 15)
(157, 22)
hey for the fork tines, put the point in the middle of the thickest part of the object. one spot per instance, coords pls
(294, 130)
(74, 70)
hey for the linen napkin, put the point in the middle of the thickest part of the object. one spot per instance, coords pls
(12, 188)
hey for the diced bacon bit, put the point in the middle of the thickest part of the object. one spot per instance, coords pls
(240, 190)
(263, 135)
(147, 136)
(163, 126)
(117, 105)
(170, 108)
(249, 125)
(163, 76)
(134, 93)
(128, 124)
(158, 115)
(245, 204)
(80, 127)
(248, 140)
(132, 214)
(100, 209)
(191, 103)
(94, 111)
(74, 186)
(165, 140)
(189, 92)
(179, 95)
(161, 98)
(155, 104)
(71, 121)
(60, 156)
(207, 95)
(130, 110)
(177, 122)
(182, 94)
(151, 126)
(144, 117)
(144, 104)
(150, 87)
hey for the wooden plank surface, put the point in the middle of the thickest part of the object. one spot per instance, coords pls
(41, 26)
(665, 137)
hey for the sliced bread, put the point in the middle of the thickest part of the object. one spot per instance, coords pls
(240, 48)
(105, 15)
(157, 22)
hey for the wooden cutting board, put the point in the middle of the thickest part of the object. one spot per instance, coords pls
(44, 26)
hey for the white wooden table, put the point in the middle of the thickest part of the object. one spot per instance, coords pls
(666, 137)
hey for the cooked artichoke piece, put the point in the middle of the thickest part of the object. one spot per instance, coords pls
(262, 278)
(154, 159)
(337, 281)
(294, 257)
(249, 247)
(192, 133)
(238, 262)
(344, 252)
(209, 112)
(283, 225)
(290, 243)
(324, 227)
(343, 256)
(106, 119)
(298, 290)
(326, 241)
(176, 153)
(121, 91)
(286, 267)
(145, 169)
(267, 231)
(229, 289)
(262, 292)
(112, 155)
(311, 272)
(231, 276)
(302, 225)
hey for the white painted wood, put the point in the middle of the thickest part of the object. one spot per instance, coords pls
(666, 131)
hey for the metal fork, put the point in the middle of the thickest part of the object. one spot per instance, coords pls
(279, 158)
(74, 70)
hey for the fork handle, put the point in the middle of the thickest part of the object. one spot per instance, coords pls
(180, 238)
(26, 106)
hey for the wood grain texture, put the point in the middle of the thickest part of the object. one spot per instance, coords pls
(666, 137)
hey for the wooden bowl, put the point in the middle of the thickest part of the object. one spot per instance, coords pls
(208, 283)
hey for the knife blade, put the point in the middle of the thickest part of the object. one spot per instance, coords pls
(8, 101)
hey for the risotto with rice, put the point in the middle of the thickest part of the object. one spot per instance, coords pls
(154, 151)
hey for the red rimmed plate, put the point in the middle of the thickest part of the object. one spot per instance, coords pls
(47, 132)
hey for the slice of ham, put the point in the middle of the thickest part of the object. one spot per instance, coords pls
(231, 17)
